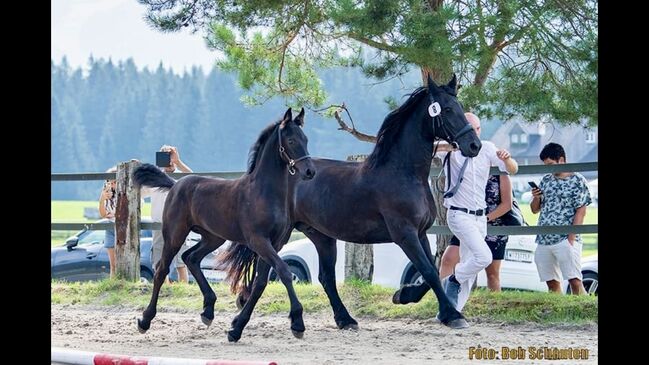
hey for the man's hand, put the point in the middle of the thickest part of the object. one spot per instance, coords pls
(175, 157)
(503, 154)
(537, 193)
(571, 238)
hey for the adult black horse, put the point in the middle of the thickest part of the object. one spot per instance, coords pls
(251, 209)
(386, 198)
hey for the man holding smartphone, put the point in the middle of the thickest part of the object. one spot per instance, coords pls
(171, 158)
(561, 198)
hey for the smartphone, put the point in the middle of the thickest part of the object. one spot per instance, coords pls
(533, 184)
(163, 159)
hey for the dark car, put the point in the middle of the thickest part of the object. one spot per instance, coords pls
(83, 256)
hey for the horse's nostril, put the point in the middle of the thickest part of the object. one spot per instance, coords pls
(474, 146)
(310, 173)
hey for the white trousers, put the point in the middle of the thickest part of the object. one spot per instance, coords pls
(474, 252)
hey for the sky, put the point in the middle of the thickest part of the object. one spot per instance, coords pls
(116, 29)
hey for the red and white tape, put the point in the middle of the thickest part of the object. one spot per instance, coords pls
(76, 357)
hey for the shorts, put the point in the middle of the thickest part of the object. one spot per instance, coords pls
(497, 248)
(109, 238)
(559, 260)
(156, 252)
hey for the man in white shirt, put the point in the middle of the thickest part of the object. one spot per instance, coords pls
(466, 217)
(158, 198)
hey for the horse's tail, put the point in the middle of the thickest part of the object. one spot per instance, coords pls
(239, 262)
(150, 175)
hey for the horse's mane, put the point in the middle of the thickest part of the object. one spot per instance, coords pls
(253, 153)
(392, 125)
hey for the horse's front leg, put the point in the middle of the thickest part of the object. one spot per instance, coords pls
(406, 236)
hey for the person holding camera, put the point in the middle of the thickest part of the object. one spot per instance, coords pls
(561, 197)
(107, 205)
(168, 159)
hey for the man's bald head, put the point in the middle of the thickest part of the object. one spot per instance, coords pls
(474, 121)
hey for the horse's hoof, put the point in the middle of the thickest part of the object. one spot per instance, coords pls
(232, 337)
(351, 326)
(458, 324)
(396, 297)
(140, 328)
(298, 334)
(206, 320)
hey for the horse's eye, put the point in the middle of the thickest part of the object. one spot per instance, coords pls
(290, 141)
(447, 109)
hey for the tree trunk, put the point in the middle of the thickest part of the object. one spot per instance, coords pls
(359, 258)
(127, 223)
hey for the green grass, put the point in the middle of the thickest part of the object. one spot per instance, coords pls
(361, 299)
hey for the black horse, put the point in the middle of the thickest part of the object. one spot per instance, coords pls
(251, 209)
(386, 198)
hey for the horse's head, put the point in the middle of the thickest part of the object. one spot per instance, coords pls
(449, 122)
(293, 145)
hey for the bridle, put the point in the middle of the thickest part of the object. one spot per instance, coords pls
(285, 157)
(440, 122)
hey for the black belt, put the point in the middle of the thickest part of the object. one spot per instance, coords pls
(479, 212)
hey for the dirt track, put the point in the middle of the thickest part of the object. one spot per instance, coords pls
(174, 334)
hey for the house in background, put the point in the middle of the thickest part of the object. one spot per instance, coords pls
(526, 140)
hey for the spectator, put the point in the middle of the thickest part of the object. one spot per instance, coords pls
(107, 205)
(561, 198)
(158, 198)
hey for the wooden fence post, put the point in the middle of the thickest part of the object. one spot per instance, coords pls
(359, 258)
(127, 223)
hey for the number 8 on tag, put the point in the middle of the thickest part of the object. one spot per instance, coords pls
(434, 109)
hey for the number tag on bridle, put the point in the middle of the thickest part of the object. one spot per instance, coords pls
(434, 109)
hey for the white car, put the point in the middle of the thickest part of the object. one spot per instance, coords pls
(393, 269)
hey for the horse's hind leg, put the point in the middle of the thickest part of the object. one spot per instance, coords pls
(258, 286)
(266, 251)
(174, 237)
(192, 259)
(414, 293)
(327, 250)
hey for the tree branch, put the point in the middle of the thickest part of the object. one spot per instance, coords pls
(344, 127)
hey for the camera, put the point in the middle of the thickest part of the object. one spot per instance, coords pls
(163, 159)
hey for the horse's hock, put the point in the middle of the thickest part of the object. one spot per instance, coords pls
(359, 258)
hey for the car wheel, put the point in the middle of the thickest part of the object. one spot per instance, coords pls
(297, 273)
(146, 276)
(591, 283)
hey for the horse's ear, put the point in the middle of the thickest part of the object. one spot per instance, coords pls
(288, 116)
(299, 120)
(453, 83)
(432, 86)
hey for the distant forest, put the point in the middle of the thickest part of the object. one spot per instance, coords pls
(113, 112)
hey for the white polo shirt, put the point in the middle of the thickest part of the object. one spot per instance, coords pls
(471, 193)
